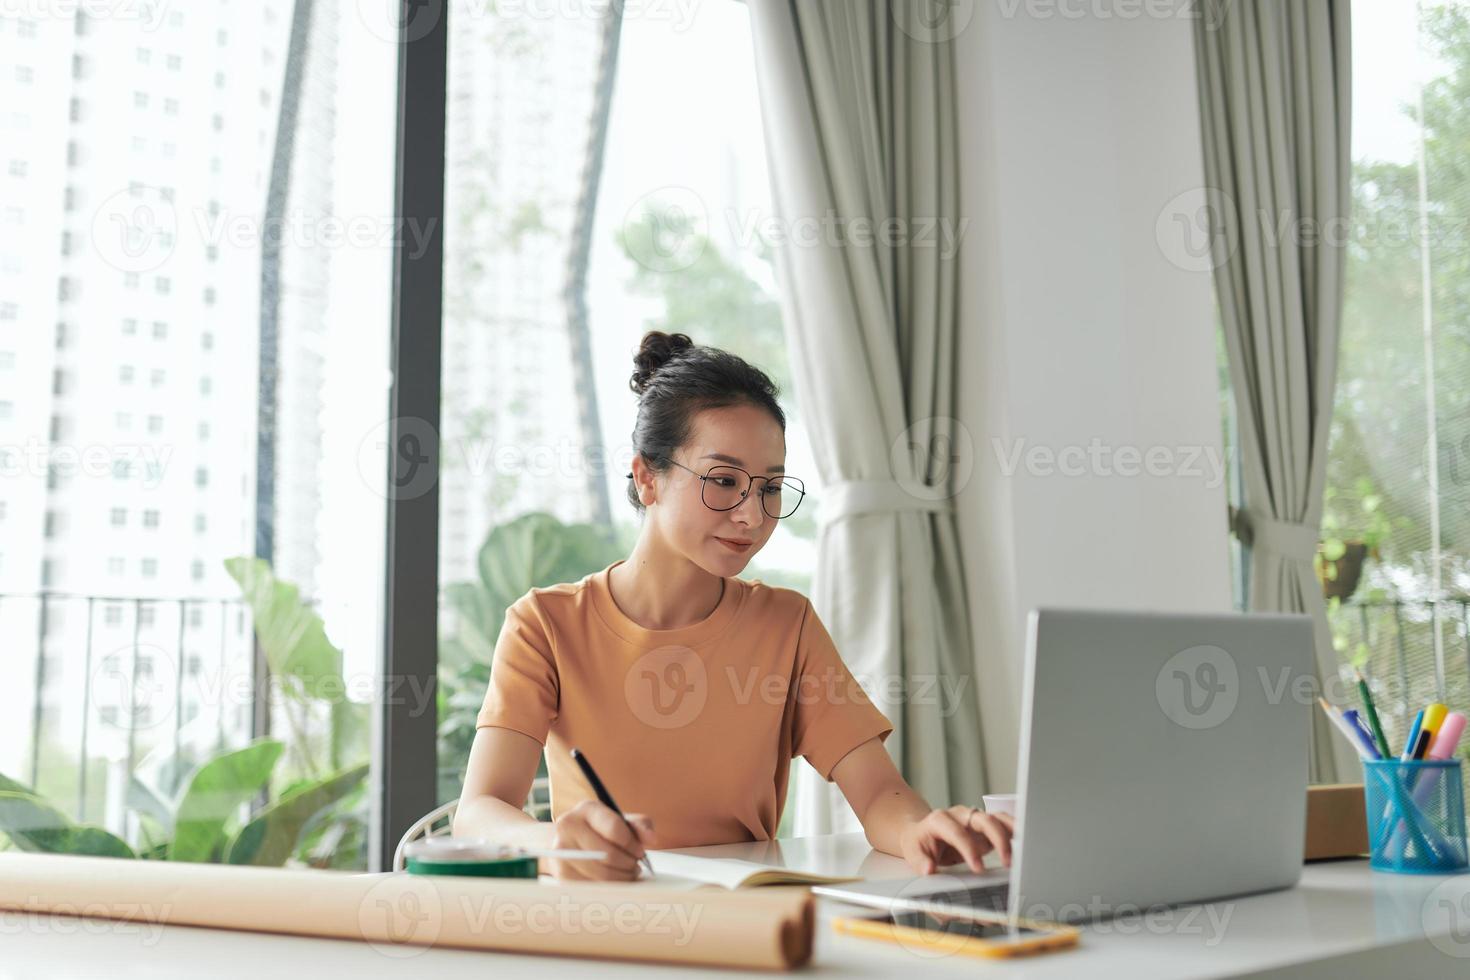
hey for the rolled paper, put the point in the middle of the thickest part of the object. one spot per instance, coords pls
(624, 921)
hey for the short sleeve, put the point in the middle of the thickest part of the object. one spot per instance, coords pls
(524, 688)
(833, 714)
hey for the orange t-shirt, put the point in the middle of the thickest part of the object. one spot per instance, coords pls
(695, 727)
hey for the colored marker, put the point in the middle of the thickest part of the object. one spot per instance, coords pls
(1360, 732)
(1372, 712)
(1413, 738)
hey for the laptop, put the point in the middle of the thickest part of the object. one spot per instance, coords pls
(1163, 760)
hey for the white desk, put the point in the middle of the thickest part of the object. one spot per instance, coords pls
(1343, 920)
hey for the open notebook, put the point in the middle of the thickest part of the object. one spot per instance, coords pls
(687, 871)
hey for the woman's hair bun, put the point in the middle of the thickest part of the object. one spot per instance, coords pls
(656, 350)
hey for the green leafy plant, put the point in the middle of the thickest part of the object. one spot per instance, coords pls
(202, 824)
(529, 552)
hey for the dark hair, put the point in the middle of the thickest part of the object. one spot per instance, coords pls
(675, 379)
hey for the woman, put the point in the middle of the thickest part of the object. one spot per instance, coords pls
(689, 689)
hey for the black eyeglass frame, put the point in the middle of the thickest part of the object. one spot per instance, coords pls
(800, 487)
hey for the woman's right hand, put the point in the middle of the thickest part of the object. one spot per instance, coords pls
(592, 826)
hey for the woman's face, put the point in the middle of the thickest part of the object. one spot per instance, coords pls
(739, 435)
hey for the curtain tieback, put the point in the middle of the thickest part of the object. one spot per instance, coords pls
(1287, 538)
(849, 498)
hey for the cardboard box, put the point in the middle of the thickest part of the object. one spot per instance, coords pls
(1337, 824)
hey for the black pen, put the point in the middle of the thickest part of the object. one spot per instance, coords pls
(606, 798)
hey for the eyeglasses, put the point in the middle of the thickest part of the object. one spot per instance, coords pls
(726, 487)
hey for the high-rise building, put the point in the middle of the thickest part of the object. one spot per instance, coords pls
(138, 145)
(521, 93)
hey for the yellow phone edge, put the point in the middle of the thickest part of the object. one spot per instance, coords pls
(1050, 937)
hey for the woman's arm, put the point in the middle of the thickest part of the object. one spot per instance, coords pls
(499, 774)
(898, 821)
(501, 769)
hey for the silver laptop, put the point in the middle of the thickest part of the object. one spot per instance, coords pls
(1163, 760)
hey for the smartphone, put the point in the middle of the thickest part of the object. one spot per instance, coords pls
(972, 933)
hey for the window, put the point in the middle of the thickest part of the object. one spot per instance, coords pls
(1396, 521)
(116, 94)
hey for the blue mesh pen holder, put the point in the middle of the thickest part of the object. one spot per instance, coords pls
(1416, 815)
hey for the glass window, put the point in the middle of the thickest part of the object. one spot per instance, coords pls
(1396, 522)
(304, 504)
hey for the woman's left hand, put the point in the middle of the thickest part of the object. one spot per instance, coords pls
(957, 834)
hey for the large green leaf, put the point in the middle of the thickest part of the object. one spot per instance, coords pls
(32, 824)
(12, 786)
(538, 550)
(272, 836)
(144, 800)
(290, 632)
(214, 794)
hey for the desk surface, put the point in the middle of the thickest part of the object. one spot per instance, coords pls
(1341, 916)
